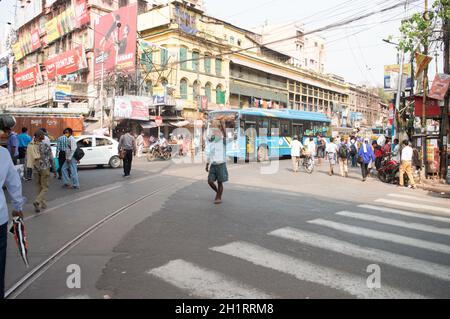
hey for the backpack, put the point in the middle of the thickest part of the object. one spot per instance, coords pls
(79, 154)
(343, 152)
(353, 150)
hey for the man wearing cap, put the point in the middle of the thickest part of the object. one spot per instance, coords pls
(11, 179)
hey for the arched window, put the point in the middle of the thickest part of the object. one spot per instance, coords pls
(196, 90)
(208, 63)
(184, 89)
(195, 60)
(183, 58)
(220, 95)
(208, 91)
(164, 57)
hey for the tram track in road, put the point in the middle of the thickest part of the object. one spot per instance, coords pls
(27, 280)
(32, 276)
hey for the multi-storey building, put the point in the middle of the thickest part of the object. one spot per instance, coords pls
(365, 106)
(198, 55)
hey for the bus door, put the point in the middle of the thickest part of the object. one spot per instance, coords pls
(250, 140)
(297, 129)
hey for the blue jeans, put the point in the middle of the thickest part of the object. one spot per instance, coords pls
(73, 178)
(3, 242)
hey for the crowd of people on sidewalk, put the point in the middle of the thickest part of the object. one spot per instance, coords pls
(39, 162)
(353, 151)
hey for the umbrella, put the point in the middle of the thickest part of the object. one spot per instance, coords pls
(20, 235)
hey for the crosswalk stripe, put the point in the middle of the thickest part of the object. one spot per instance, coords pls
(414, 205)
(397, 223)
(372, 254)
(405, 213)
(204, 283)
(398, 239)
(417, 198)
(310, 272)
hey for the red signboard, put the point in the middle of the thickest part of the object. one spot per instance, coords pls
(432, 107)
(158, 121)
(28, 77)
(440, 86)
(115, 41)
(35, 40)
(66, 63)
(81, 13)
(132, 107)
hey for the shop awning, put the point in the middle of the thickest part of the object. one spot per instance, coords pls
(180, 123)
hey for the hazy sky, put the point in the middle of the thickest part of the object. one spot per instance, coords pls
(355, 51)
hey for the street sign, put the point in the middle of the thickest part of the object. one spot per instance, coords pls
(158, 121)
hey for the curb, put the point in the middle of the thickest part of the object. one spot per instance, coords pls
(441, 190)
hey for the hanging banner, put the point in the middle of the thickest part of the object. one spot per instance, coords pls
(115, 41)
(132, 107)
(440, 87)
(81, 13)
(28, 77)
(52, 30)
(3, 74)
(62, 94)
(186, 21)
(391, 77)
(422, 61)
(66, 63)
(35, 40)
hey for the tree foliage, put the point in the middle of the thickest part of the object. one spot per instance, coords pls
(419, 30)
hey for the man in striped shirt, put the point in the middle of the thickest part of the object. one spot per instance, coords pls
(61, 146)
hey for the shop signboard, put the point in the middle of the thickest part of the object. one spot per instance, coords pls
(62, 94)
(158, 121)
(81, 13)
(3, 75)
(392, 75)
(440, 87)
(132, 107)
(66, 63)
(28, 77)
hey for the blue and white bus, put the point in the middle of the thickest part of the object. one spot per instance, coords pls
(249, 131)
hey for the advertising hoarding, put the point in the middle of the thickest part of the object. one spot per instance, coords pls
(391, 77)
(440, 87)
(28, 77)
(132, 107)
(3, 74)
(66, 63)
(115, 41)
(62, 93)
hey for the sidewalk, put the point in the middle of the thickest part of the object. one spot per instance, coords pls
(435, 186)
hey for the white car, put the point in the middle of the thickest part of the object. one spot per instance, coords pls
(99, 150)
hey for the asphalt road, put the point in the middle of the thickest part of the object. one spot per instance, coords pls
(280, 235)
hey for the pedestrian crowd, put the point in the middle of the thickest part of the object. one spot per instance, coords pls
(354, 151)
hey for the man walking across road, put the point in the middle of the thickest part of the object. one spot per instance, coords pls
(406, 165)
(366, 156)
(61, 147)
(24, 140)
(343, 157)
(12, 145)
(11, 179)
(127, 147)
(296, 149)
(353, 152)
(70, 181)
(42, 168)
(332, 153)
(216, 164)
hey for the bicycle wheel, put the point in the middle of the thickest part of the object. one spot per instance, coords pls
(309, 166)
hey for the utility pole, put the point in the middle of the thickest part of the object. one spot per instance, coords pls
(446, 107)
(424, 106)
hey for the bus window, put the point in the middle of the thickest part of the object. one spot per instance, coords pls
(297, 130)
(263, 126)
(285, 129)
(274, 125)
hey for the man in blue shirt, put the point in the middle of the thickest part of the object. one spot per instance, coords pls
(24, 140)
(11, 179)
(13, 144)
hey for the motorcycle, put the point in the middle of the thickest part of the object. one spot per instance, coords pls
(389, 172)
(158, 152)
